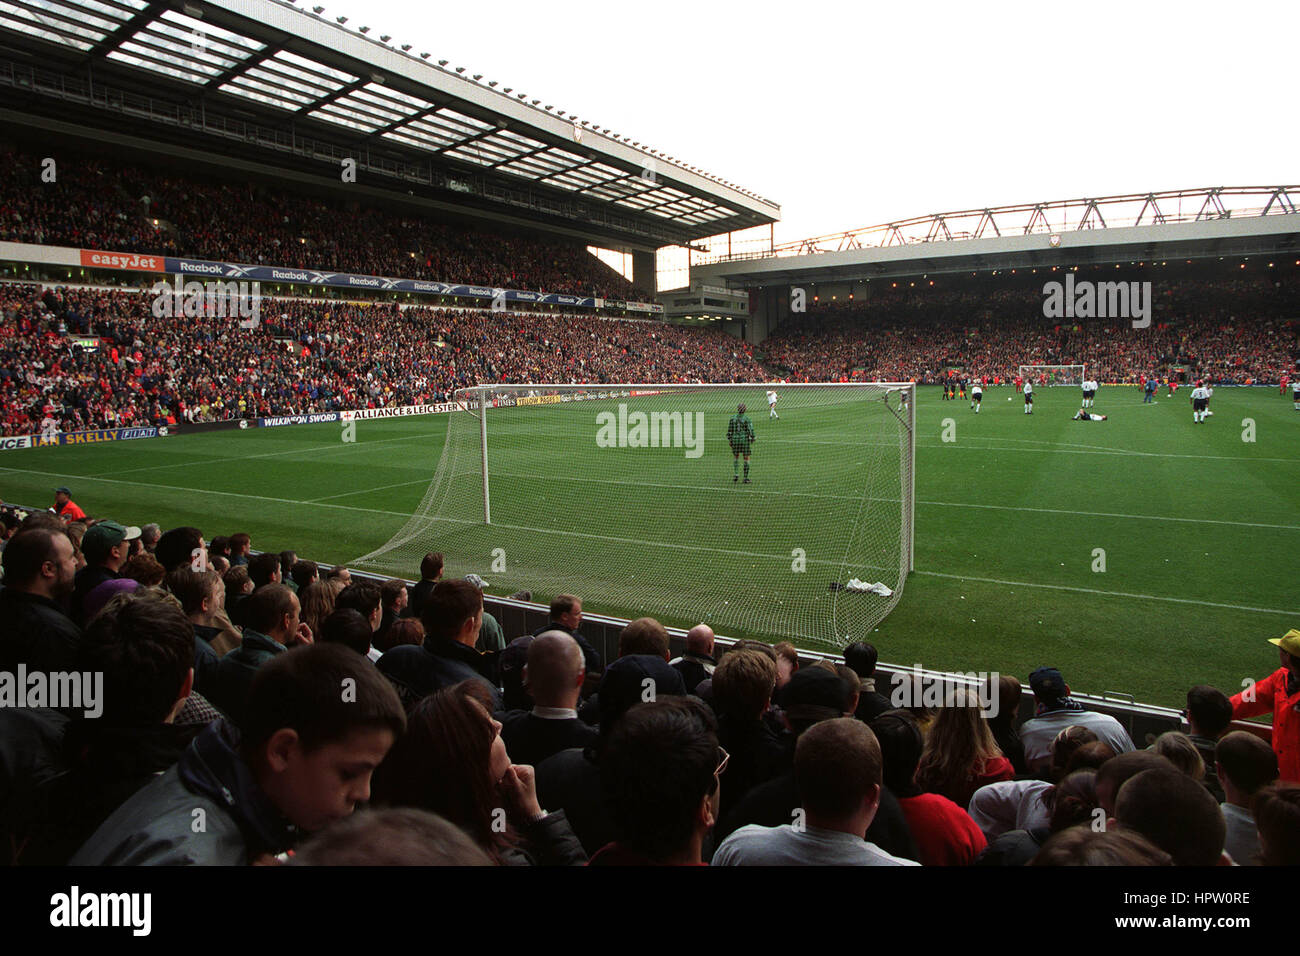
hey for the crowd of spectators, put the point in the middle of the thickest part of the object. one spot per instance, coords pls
(1234, 331)
(319, 719)
(308, 356)
(97, 203)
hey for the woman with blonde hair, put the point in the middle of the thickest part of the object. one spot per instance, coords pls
(960, 753)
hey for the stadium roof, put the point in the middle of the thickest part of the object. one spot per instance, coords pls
(1192, 223)
(253, 67)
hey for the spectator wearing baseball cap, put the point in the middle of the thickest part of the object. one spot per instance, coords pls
(491, 638)
(1278, 694)
(105, 546)
(65, 507)
(1055, 710)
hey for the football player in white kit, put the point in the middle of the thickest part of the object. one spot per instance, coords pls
(1029, 397)
(976, 396)
(771, 404)
(1295, 394)
(1200, 402)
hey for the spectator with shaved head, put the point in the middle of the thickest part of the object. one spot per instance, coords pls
(697, 664)
(553, 678)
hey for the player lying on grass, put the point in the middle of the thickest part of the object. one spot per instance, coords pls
(1083, 415)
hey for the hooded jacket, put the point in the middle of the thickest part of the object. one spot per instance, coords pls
(205, 811)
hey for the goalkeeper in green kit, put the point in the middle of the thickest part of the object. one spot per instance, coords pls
(740, 436)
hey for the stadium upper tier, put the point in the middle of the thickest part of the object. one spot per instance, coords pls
(101, 204)
(1228, 331)
(308, 356)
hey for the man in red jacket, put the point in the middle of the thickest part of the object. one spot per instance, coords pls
(1278, 694)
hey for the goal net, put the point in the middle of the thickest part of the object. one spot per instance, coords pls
(1055, 374)
(632, 498)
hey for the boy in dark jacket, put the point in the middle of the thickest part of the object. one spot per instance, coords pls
(318, 721)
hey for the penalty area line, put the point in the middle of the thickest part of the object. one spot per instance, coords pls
(1123, 594)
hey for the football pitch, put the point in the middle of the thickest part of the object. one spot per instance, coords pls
(1140, 555)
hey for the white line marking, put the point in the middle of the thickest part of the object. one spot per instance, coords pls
(727, 489)
(1140, 597)
(273, 454)
(656, 544)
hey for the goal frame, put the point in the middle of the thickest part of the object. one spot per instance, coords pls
(1083, 372)
(476, 400)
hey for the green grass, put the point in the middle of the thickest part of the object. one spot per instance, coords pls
(1198, 526)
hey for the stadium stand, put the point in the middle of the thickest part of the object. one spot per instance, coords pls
(100, 204)
(310, 357)
(1228, 332)
(109, 785)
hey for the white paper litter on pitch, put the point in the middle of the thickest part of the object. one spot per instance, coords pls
(864, 588)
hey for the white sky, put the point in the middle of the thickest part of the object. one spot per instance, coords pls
(849, 115)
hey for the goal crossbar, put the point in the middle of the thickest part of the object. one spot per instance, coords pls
(529, 472)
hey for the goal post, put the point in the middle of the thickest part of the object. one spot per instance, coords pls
(1056, 374)
(633, 497)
